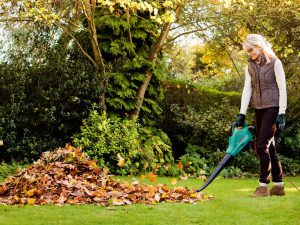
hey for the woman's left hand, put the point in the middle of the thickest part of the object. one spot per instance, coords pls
(280, 120)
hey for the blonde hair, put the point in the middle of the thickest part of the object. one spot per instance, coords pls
(257, 40)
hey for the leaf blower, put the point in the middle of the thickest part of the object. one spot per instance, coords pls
(240, 138)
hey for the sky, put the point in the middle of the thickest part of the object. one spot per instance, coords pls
(3, 43)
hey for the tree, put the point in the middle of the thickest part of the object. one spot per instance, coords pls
(69, 17)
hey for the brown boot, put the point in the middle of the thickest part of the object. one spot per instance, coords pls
(277, 190)
(261, 191)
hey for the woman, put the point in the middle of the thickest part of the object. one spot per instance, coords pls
(265, 85)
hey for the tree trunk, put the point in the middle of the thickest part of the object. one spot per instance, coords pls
(149, 73)
(89, 7)
(152, 57)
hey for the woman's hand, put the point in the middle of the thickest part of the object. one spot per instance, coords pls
(240, 120)
(280, 120)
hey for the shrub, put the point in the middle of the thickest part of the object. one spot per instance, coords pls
(290, 166)
(247, 162)
(170, 170)
(123, 146)
(231, 172)
(7, 170)
(198, 116)
(208, 128)
(43, 104)
(289, 141)
(193, 162)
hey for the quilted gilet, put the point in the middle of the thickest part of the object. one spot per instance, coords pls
(265, 92)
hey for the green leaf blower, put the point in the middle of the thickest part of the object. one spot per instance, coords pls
(240, 138)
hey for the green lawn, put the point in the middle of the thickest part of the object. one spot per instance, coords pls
(230, 206)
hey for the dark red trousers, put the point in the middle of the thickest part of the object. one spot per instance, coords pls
(265, 121)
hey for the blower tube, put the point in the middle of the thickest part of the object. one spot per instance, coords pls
(221, 165)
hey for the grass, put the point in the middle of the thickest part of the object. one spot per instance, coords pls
(231, 206)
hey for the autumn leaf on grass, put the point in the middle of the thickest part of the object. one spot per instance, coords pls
(202, 177)
(193, 195)
(134, 181)
(143, 177)
(184, 177)
(173, 181)
(121, 160)
(115, 201)
(152, 177)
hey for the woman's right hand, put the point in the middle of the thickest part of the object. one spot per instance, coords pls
(240, 120)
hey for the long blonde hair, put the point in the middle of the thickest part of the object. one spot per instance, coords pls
(253, 40)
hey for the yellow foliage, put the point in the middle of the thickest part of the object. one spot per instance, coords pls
(167, 4)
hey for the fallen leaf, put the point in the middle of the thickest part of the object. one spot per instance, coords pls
(152, 177)
(184, 177)
(31, 192)
(157, 197)
(143, 177)
(3, 189)
(31, 201)
(173, 181)
(121, 160)
(117, 202)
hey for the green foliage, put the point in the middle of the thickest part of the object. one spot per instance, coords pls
(193, 162)
(170, 170)
(43, 100)
(126, 45)
(247, 162)
(231, 172)
(289, 141)
(225, 84)
(47, 85)
(105, 139)
(198, 116)
(183, 93)
(290, 166)
(199, 161)
(7, 170)
(156, 146)
(122, 145)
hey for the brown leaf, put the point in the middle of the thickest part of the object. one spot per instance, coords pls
(3, 189)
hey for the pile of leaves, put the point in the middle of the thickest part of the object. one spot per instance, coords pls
(69, 176)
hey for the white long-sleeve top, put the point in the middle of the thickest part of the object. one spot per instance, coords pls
(280, 79)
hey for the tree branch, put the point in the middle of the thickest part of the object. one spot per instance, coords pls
(15, 20)
(79, 45)
(188, 32)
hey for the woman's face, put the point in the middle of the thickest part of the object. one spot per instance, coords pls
(254, 53)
